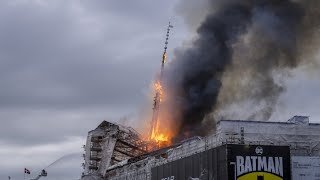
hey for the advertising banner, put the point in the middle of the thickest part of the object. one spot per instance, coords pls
(229, 162)
(258, 162)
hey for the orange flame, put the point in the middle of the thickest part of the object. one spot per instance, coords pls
(162, 139)
(160, 133)
(164, 57)
(159, 90)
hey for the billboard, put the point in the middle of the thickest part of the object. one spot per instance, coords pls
(253, 162)
(229, 162)
(305, 168)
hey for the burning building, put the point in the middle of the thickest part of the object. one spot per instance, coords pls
(233, 68)
(238, 150)
(110, 144)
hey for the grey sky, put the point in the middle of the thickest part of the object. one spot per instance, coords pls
(67, 65)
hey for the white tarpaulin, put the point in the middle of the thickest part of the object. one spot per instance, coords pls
(305, 168)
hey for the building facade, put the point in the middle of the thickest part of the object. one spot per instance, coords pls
(238, 150)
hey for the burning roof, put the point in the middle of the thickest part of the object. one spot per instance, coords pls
(236, 65)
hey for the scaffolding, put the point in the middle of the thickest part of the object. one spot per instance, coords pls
(110, 144)
(302, 137)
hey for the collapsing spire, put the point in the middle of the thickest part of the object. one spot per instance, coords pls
(159, 93)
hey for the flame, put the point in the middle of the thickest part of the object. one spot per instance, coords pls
(161, 133)
(164, 57)
(162, 139)
(159, 90)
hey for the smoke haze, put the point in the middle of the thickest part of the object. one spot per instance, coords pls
(236, 66)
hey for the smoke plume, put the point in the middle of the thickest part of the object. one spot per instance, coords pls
(243, 50)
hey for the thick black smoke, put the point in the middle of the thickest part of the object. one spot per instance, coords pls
(242, 46)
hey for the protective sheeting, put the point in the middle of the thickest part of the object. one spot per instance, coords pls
(305, 168)
(140, 170)
(187, 148)
(107, 152)
(304, 139)
(91, 177)
(103, 140)
(109, 144)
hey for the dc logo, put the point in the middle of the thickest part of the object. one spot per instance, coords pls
(259, 150)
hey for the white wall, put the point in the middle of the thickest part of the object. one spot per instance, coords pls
(305, 168)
